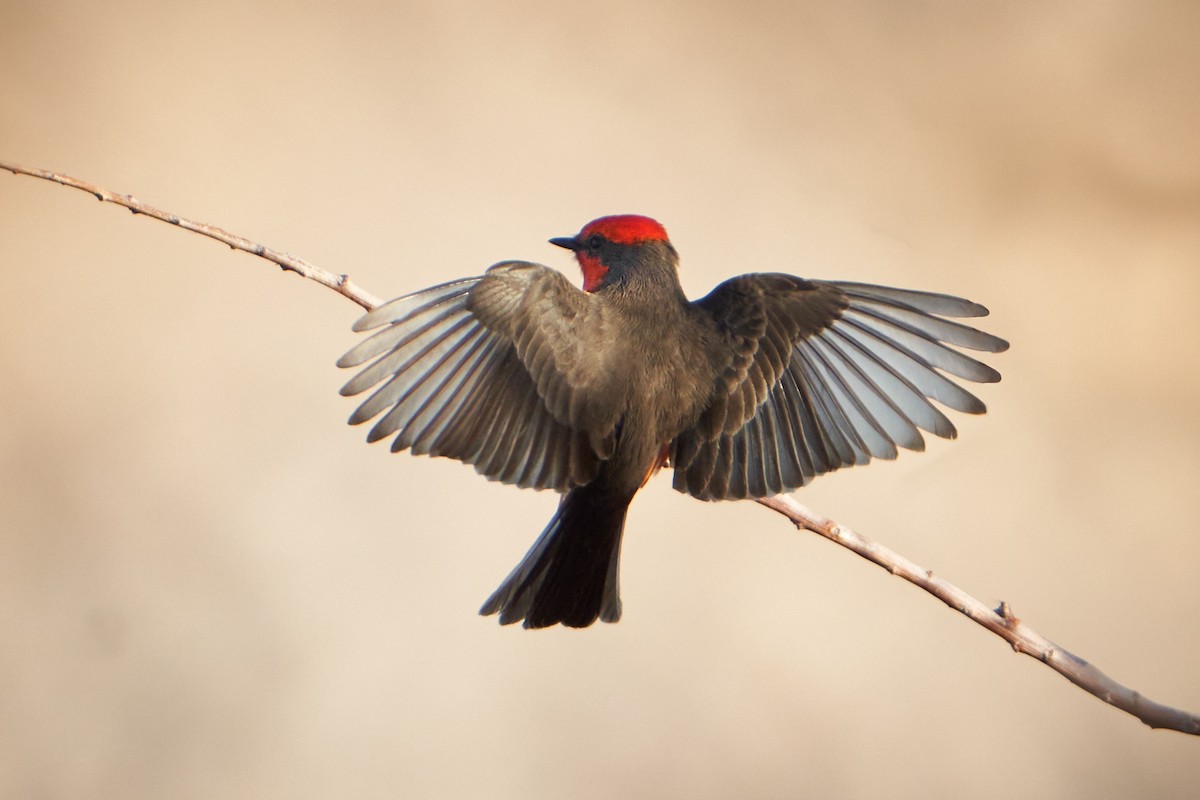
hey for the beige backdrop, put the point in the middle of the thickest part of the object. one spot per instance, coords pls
(211, 587)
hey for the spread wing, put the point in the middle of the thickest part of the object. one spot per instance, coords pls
(487, 370)
(823, 375)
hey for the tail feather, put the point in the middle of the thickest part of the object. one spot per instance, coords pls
(570, 575)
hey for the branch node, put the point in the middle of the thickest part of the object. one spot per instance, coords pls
(1005, 612)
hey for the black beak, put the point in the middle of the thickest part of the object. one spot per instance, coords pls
(569, 242)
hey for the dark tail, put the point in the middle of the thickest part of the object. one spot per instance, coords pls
(570, 573)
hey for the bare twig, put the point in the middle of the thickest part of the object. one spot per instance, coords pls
(1001, 621)
(339, 283)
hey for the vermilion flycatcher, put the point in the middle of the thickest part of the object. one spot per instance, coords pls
(748, 392)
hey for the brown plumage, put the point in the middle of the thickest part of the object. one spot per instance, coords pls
(750, 391)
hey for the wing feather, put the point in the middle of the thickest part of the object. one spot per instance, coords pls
(824, 375)
(484, 370)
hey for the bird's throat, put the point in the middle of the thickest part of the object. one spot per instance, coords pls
(593, 272)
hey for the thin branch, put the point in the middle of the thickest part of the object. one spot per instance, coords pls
(339, 283)
(1001, 621)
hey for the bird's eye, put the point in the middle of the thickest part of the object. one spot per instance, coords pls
(594, 241)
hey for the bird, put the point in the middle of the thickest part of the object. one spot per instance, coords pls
(748, 392)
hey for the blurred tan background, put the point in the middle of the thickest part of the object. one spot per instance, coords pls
(211, 587)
